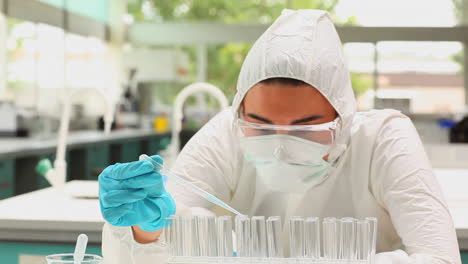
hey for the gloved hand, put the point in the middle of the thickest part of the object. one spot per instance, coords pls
(134, 194)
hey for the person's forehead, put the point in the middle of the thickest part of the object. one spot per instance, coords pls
(282, 95)
(277, 94)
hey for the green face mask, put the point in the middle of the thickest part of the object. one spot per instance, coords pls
(286, 163)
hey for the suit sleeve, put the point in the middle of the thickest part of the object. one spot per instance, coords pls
(404, 183)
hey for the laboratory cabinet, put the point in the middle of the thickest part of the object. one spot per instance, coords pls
(130, 151)
(156, 144)
(7, 178)
(88, 161)
(97, 158)
(88, 153)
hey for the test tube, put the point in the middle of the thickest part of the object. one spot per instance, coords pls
(296, 237)
(203, 235)
(198, 241)
(169, 233)
(274, 229)
(167, 229)
(347, 238)
(372, 237)
(362, 240)
(206, 237)
(243, 241)
(224, 234)
(258, 231)
(312, 237)
(212, 236)
(174, 234)
(330, 235)
(186, 235)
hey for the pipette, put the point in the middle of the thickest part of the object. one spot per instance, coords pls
(80, 248)
(192, 187)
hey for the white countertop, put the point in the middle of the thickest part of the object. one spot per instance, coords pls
(34, 215)
(54, 204)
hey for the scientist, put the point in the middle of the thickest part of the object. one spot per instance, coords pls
(291, 144)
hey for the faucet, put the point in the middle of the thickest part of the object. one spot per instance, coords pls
(173, 148)
(56, 175)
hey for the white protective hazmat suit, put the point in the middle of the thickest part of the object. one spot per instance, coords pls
(379, 165)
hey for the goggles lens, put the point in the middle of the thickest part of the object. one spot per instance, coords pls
(321, 133)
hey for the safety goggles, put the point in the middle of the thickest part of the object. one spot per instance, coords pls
(320, 133)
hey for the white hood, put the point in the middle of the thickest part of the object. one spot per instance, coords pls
(303, 45)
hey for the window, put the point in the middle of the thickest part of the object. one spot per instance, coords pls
(413, 77)
(50, 68)
(77, 55)
(382, 13)
(87, 66)
(44, 64)
(21, 62)
(425, 77)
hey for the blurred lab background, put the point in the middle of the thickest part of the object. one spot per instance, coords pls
(125, 61)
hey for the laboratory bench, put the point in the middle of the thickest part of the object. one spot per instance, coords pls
(88, 153)
(49, 220)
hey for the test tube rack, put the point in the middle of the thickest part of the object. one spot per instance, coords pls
(210, 239)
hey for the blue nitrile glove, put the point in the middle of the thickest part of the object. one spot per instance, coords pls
(134, 194)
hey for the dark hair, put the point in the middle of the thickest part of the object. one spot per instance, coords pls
(282, 81)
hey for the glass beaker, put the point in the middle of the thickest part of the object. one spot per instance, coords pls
(68, 258)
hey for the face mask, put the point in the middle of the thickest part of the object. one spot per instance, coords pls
(286, 163)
